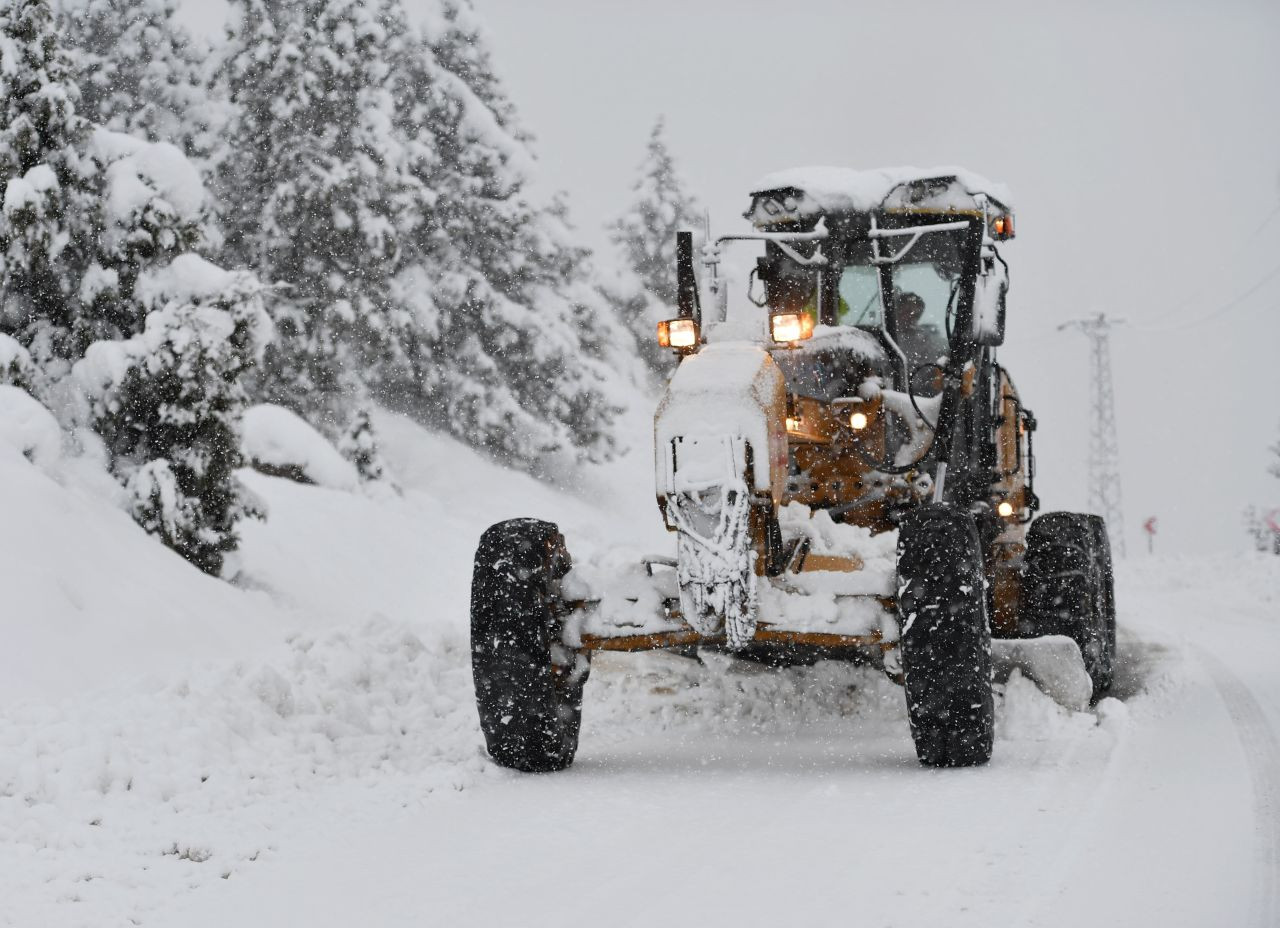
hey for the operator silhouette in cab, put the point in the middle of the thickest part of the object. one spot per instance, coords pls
(922, 344)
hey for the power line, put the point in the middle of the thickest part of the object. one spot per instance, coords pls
(1231, 256)
(1216, 313)
(1176, 326)
(1104, 447)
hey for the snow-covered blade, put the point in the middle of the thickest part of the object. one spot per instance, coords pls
(1052, 661)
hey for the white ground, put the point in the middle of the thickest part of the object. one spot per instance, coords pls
(304, 750)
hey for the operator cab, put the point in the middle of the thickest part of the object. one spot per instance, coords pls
(896, 257)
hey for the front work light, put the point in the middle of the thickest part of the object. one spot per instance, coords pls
(678, 333)
(858, 421)
(1005, 509)
(790, 327)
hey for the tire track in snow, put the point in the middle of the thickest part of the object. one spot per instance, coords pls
(1262, 752)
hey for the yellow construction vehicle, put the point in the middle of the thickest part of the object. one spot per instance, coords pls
(846, 467)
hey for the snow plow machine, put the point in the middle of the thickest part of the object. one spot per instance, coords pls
(847, 470)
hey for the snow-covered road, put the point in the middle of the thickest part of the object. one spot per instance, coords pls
(758, 798)
(338, 778)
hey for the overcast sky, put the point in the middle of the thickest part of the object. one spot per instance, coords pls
(1141, 142)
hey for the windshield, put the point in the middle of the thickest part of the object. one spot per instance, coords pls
(925, 284)
(924, 297)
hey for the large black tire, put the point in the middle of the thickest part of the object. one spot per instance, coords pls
(528, 686)
(946, 639)
(1106, 605)
(1070, 589)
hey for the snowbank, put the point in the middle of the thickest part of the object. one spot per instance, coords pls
(88, 597)
(28, 427)
(280, 443)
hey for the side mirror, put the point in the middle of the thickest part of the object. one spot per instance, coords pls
(989, 292)
(686, 282)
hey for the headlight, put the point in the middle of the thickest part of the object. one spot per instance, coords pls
(858, 421)
(678, 333)
(1005, 508)
(790, 327)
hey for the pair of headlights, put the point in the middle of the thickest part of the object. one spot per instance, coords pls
(785, 328)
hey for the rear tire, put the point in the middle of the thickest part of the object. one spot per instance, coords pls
(946, 640)
(528, 685)
(1071, 589)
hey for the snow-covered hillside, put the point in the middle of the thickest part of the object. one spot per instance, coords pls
(303, 748)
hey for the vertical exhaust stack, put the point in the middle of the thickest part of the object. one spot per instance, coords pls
(686, 282)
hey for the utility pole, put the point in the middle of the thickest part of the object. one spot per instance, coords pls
(1104, 449)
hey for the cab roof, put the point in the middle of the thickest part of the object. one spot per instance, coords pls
(798, 194)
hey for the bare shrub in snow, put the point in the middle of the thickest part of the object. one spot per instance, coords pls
(359, 445)
(1260, 533)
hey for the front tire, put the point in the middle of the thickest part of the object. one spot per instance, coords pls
(528, 685)
(946, 639)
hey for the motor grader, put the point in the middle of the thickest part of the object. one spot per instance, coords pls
(847, 469)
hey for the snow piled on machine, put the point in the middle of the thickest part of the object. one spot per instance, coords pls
(844, 190)
(720, 395)
(29, 427)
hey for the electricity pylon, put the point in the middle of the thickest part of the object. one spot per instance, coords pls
(1104, 449)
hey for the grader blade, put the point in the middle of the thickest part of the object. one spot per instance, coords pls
(1052, 662)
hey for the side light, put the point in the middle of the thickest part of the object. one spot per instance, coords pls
(1005, 509)
(793, 423)
(1002, 227)
(790, 327)
(678, 333)
(858, 421)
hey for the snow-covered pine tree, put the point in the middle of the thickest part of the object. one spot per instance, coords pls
(646, 236)
(168, 403)
(153, 208)
(138, 70)
(47, 232)
(508, 353)
(313, 190)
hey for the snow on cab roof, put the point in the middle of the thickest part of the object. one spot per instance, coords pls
(844, 190)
